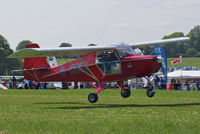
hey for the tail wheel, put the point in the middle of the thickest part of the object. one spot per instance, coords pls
(126, 94)
(92, 97)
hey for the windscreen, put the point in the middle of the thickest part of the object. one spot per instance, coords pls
(126, 51)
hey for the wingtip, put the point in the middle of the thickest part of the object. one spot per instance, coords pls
(11, 56)
(185, 38)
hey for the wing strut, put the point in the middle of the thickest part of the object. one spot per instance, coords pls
(93, 76)
(34, 73)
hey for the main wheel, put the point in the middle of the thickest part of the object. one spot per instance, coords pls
(151, 91)
(92, 97)
(126, 94)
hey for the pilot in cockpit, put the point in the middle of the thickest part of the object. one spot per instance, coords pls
(108, 56)
(108, 59)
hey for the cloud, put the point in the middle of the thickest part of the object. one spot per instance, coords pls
(181, 3)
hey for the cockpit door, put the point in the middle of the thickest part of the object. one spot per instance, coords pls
(108, 62)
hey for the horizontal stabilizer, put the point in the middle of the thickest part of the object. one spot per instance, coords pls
(3, 87)
(21, 70)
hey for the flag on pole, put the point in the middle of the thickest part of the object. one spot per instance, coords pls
(177, 60)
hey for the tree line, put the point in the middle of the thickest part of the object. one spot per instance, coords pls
(190, 48)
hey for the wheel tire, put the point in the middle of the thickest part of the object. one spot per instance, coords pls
(126, 94)
(150, 93)
(92, 97)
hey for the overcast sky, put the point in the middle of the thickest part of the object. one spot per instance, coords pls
(81, 22)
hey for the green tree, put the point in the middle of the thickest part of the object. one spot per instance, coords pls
(7, 64)
(198, 54)
(177, 48)
(64, 44)
(22, 44)
(194, 36)
(191, 52)
(92, 45)
(147, 50)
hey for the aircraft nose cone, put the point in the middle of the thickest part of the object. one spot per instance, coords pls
(160, 59)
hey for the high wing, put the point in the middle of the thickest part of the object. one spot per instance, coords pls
(64, 51)
(76, 51)
(137, 44)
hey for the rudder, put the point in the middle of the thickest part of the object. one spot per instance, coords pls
(36, 67)
(37, 62)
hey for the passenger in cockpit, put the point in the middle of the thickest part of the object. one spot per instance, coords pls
(109, 59)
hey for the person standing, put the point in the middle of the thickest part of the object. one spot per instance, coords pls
(170, 86)
(156, 80)
(10, 83)
(162, 83)
(13, 82)
(196, 86)
(187, 86)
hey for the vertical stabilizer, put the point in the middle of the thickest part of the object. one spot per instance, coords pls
(35, 68)
(38, 62)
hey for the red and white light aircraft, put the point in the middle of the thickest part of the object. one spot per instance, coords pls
(93, 64)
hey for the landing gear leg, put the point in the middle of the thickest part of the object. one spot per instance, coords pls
(125, 91)
(150, 90)
(93, 97)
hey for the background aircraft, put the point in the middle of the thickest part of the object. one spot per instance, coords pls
(93, 64)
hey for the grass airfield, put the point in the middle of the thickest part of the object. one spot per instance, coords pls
(68, 111)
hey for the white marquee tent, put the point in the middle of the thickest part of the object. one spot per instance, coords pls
(184, 74)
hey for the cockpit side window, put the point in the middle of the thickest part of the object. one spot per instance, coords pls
(108, 62)
(106, 56)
